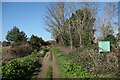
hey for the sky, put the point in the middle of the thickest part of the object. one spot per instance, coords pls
(28, 17)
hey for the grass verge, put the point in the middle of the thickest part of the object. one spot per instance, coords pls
(49, 73)
(60, 61)
(68, 69)
(50, 58)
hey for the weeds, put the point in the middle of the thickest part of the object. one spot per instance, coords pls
(68, 69)
(49, 73)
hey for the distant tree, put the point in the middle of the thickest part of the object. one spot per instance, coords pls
(47, 43)
(15, 35)
(111, 38)
(36, 42)
(5, 43)
(113, 41)
(41, 41)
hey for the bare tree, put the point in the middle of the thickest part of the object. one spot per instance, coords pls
(63, 22)
(55, 19)
(107, 20)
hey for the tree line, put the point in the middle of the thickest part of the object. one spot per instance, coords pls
(73, 24)
(15, 37)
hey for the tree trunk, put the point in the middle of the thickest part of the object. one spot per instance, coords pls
(62, 40)
(80, 39)
(71, 43)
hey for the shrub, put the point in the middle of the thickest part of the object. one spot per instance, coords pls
(96, 63)
(73, 70)
(68, 69)
(22, 50)
(42, 55)
(45, 49)
(5, 43)
(21, 68)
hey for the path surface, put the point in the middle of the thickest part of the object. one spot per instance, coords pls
(46, 63)
(55, 69)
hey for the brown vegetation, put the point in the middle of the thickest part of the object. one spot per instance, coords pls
(16, 52)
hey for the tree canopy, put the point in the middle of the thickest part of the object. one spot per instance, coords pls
(71, 26)
(16, 35)
(36, 41)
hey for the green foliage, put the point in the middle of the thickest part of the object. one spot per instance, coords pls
(111, 38)
(68, 69)
(49, 73)
(45, 49)
(60, 61)
(43, 55)
(46, 43)
(5, 43)
(21, 68)
(36, 42)
(73, 70)
(81, 27)
(86, 40)
(15, 35)
(95, 63)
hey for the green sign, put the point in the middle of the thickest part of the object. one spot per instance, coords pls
(104, 46)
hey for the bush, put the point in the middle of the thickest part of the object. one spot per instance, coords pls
(22, 50)
(5, 43)
(99, 64)
(45, 49)
(68, 69)
(73, 70)
(21, 68)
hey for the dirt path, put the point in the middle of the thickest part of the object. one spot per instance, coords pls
(55, 69)
(46, 63)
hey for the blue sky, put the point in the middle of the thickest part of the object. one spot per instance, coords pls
(28, 17)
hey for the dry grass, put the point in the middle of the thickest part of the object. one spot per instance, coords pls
(9, 53)
(66, 50)
(4, 49)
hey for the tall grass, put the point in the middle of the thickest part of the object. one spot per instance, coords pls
(60, 61)
(69, 69)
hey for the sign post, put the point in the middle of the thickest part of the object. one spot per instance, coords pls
(104, 46)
